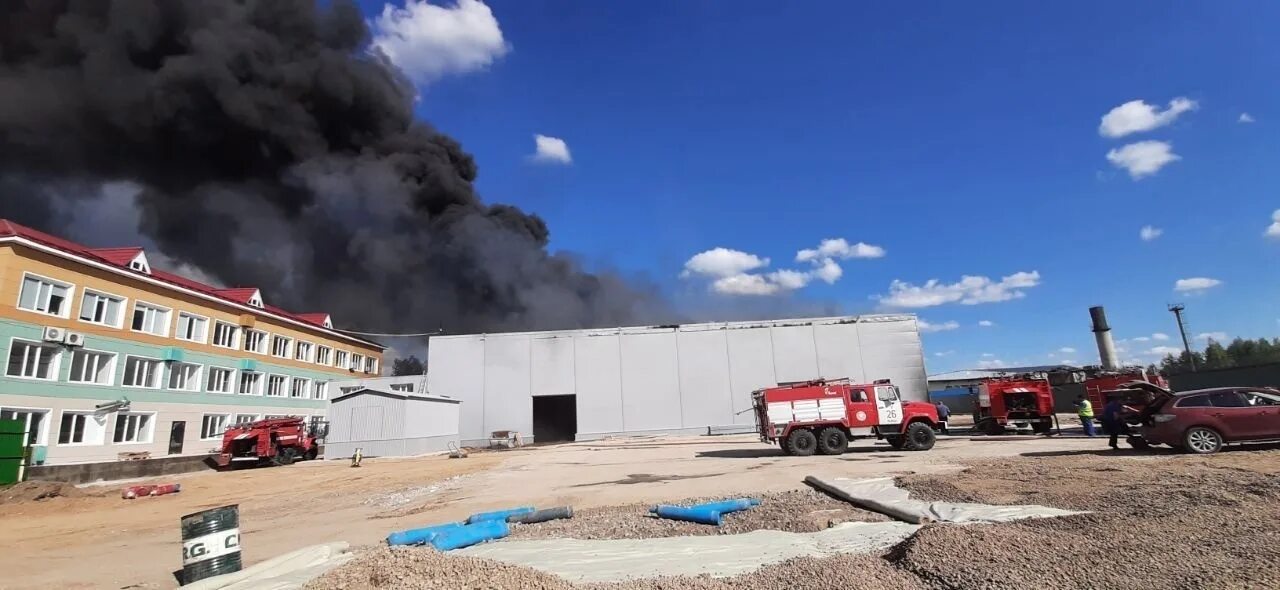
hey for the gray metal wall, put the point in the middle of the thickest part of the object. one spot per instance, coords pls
(664, 379)
(388, 426)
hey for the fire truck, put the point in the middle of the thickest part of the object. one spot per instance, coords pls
(821, 416)
(274, 441)
(1014, 402)
(1099, 383)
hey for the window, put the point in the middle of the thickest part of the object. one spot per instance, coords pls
(212, 425)
(132, 428)
(250, 383)
(140, 372)
(184, 377)
(33, 361)
(97, 368)
(220, 380)
(275, 385)
(356, 361)
(302, 352)
(44, 296)
(100, 308)
(255, 341)
(280, 346)
(1194, 401)
(225, 334)
(1227, 399)
(370, 365)
(402, 387)
(300, 387)
(33, 421)
(341, 359)
(323, 355)
(150, 319)
(80, 428)
(319, 390)
(350, 388)
(245, 418)
(1260, 399)
(191, 327)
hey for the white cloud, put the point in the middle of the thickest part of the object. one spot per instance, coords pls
(551, 150)
(925, 326)
(723, 262)
(1195, 284)
(428, 42)
(1148, 233)
(987, 355)
(986, 323)
(828, 271)
(1273, 230)
(1245, 118)
(839, 248)
(1137, 116)
(744, 284)
(1143, 158)
(1067, 350)
(1165, 350)
(1067, 362)
(990, 364)
(947, 353)
(1216, 336)
(1161, 336)
(790, 279)
(969, 290)
(1142, 339)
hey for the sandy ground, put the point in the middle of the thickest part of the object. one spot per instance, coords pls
(103, 541)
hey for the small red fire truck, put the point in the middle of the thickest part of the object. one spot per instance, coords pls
(823, 415)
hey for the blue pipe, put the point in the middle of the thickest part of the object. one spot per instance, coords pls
(727, 506)
(471, 534)
(498, 514)
(699, 515)
(420, 536)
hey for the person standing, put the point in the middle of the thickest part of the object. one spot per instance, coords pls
(944, 414)
(1113, 420)
(1084, 410)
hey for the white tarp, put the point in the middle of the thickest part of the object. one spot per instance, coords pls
(714, 555)
(884, 496)
(290, 571)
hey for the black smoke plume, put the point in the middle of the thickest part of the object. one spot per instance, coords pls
(268, 147)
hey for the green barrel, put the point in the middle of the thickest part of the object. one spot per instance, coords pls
(210, 543)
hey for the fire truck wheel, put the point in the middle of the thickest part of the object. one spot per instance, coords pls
(312, 454)
(285, 456)
(919, 437)
(895, 441)
(832, 441)
(1041, 427)
(801, 442)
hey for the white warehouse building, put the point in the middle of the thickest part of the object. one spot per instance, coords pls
(694, 378)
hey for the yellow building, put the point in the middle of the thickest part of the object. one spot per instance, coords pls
(106, 355)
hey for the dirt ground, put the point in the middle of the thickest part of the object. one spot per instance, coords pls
(93, 539)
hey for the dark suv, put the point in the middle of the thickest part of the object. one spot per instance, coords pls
(1203, 420)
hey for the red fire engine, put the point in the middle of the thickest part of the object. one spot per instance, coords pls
(1014, 402)
(1099, 382)
(277, 441)
(823, 415)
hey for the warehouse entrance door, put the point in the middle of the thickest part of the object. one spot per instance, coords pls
(555, 418)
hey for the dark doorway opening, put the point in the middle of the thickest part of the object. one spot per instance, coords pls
(555, 418)
(177, 434)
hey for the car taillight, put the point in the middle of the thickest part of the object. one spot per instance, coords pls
(1162, 418)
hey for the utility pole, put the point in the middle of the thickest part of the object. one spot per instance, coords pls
(1177, 308)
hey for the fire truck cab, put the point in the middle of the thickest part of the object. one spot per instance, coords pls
(1016, 402)
(822, 416)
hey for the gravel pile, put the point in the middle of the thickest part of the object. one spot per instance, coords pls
(799, 511)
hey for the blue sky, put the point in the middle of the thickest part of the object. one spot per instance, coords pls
(959, 139)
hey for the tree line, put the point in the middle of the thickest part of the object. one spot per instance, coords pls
(1240, 353)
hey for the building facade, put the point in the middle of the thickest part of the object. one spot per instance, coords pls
(105, 355)
(390, 423)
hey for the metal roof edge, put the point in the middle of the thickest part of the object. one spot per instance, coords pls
(697, 327)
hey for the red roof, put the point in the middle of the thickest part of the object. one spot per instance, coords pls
(121, 257)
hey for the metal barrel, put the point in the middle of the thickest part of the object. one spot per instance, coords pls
(210, 543)
(498, 514)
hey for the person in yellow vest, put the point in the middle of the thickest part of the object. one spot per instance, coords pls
(1084, 409)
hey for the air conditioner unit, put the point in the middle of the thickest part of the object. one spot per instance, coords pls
(73, 339)
(54, 334)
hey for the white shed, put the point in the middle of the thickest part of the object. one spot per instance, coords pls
(390, 423)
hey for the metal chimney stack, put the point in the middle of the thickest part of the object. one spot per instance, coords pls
(1102, 332)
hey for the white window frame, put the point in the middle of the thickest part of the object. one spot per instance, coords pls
(370, 365)
(357, 362)
(150, 428)
(284, 385)
(178, 323)
(288, 346)
(259, 388)
(310, 348)
(124, 307)
(68, 304)
(198, 378)
(306, 387)
(226, 421)
(159, 374)
(328, 357)
(265, 342)
(55, 366)
(233, 381)
(89, 416)
(235, 336)
(111, 367)
(341, 359)
(43, 438)
(319, 389)
(236, 419)
(154, 306)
